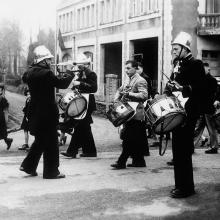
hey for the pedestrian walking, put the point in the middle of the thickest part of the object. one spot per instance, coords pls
(209, 110)
(43, 114)
(24, 124)
(4, 105)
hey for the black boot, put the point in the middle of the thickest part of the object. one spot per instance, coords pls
(8, 142)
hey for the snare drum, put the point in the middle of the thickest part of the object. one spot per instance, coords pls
(165, 113)
(119, 113)
(73, 103)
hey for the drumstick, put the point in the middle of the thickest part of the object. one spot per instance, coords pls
(166, 76)
(172, 81)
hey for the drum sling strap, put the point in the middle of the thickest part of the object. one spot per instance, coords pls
(161, 149)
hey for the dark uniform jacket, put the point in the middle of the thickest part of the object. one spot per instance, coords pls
(210, 91)
(3, 125)
(88, 84)
(43, 112)
(149, 84)
(191, 76)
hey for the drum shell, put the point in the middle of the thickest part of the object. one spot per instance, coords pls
(119, 113)
(165, 113)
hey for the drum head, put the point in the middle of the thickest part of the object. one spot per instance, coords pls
(76, 107)
(159, 97)
(169, 122)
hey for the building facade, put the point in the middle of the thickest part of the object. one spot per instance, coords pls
(113, 31)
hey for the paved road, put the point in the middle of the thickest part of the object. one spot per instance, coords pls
(93, 191)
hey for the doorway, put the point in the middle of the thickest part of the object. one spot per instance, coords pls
(146, 52)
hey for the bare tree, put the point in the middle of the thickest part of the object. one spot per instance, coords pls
(10, 46)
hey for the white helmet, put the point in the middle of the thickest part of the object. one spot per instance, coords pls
(82, 59)
(183, 39)
(41, 53)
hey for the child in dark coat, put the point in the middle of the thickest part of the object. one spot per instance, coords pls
(4, 117)
(24, 124)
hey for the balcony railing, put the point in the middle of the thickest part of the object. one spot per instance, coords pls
(209, 24)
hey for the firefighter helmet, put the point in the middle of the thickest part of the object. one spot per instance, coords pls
(82, 59)
(183, 39)
(41, 53)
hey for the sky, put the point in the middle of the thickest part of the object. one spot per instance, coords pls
(30, 14)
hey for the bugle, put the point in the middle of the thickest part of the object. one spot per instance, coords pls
(70, 63)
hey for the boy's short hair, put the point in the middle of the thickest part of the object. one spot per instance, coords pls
(206, 64)
(133, 63)
(140, 64)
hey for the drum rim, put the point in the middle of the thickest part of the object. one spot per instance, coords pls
(159, 121)
(79, 97)
(124, 120)
(161, 97)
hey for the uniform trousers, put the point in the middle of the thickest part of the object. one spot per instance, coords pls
(209, 121)
(82, 137)
(46, 143)
(182, 147)
(134, 142)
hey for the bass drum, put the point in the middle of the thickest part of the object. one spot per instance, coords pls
(73, 103)
(165, 113)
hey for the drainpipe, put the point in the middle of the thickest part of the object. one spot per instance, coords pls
(162, 63)
(74, 47)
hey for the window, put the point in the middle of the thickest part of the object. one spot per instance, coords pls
(212, 6)
(60, 23)
(92, 18)
(102, 8)
(67, 22)
(88, 17)
(107, 11)
(78, 19)
(85, 16)
(64, 23)
(110, 11)
(143, 7)
(71, 21)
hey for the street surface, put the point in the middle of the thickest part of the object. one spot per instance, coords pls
(93, 191)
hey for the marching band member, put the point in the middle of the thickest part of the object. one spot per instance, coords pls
(82, 135)
(189, 78)
(134, 137)
(43, 114)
